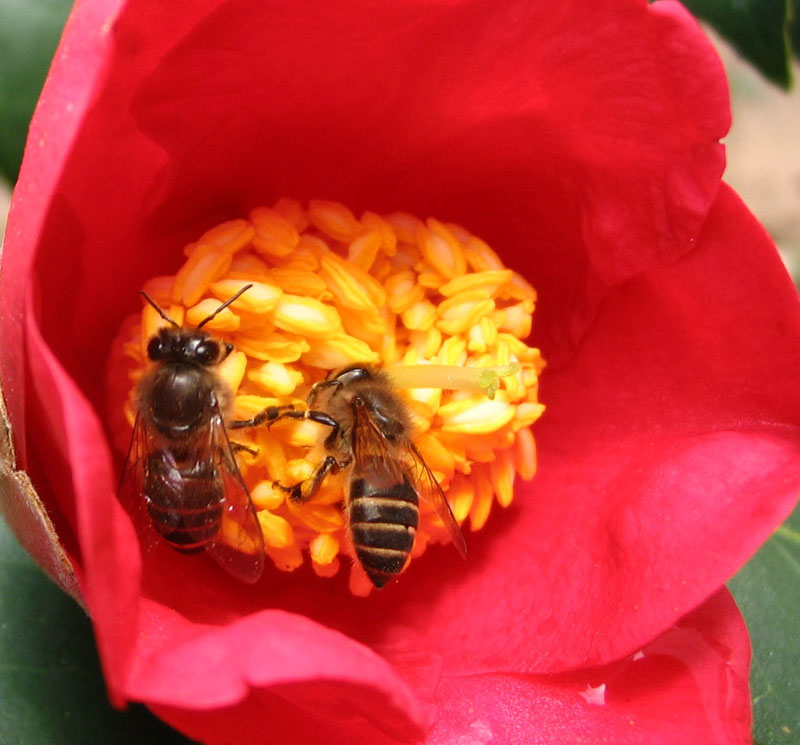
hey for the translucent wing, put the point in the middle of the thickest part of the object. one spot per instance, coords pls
(431, 491)
(239, 544)
(131, 487)
(373, 457)
(239, 548)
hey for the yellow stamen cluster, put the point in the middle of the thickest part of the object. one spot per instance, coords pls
(330, 290)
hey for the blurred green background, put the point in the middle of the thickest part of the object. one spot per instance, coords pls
(51, 687)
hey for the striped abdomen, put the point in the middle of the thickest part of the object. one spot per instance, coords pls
(383, 524)
(184, 502)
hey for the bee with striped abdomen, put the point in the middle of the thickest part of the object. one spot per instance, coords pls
(370, 438)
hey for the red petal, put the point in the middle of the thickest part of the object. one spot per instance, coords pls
(110, 562)
(60, 113)
(688, 686)
(269, 661)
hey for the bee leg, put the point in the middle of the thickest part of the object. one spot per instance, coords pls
(317, 387)
(270, 415)
(306, 490)
(320, 417)
(238, 447)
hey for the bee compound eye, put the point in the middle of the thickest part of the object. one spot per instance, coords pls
(207, 352)
(155, 348)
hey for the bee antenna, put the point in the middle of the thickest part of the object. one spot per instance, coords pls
(224, 305)
(159, 310)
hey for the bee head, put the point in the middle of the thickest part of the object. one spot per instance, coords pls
(184, 345)
(176, 344)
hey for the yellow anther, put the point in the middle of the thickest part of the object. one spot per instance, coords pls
(271, 451)
(405, 226)
(476, 414)
(248, 267)
(520, 289)
(460, 495)
(350, 285)
(525, 454)
(286, 559)
(528, 413)
(322, 518)
(502, 471)
(305, 316)
(487, 283)
(276, 378)
(482, 502)
(403, 291)
(458, 313)
(430, 280)
(298, 470)
(442, 249)
(436, 455)
(272, 346)
(453, 351)
(206, 264)
(232, 369)
(299, 282)
(480, 257)
(426, 343)
(277, 531)
(369, 328)
(420, 316)
(363, 251)
(340, 351)
(260, 299)
(334, 219)
(292, 211)
(266, 496)
(376, 224)
(231, 236)
(274, 234)
(297, 434)
(160, 289)
(323, 548)
(225, 320)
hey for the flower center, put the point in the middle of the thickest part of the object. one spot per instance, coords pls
(427, 303)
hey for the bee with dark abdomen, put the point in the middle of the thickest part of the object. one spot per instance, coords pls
(181, 475)
(371, 437)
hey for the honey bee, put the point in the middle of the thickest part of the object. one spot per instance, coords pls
(181, 481)
(370, 438)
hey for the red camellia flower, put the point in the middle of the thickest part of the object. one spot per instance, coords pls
(581, 140)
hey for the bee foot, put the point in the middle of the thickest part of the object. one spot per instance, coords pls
(237, 448)
(294, 492)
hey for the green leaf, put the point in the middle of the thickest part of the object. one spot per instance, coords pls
(759, 29)
(51, 687)
(29, 33)
(767, 591)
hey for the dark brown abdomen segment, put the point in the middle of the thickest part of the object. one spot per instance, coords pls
(185, 504)
(383, 524)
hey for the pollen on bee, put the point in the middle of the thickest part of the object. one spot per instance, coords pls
(425, 300)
